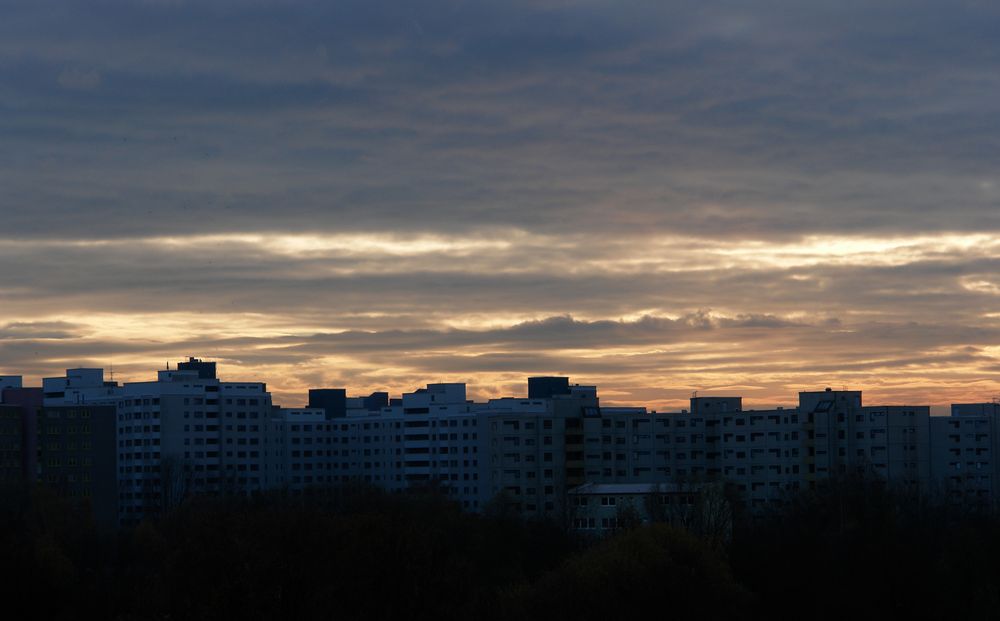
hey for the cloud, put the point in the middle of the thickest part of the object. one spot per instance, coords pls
(657, 196)
(718, 122)
(48, 330)
(79, 79)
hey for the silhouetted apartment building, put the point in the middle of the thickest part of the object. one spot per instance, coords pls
(963, 454)
(547, 387)
(12, 472)
(206, 370)
(76, 457)
(69, 450)
(333, 401)
(18, 433)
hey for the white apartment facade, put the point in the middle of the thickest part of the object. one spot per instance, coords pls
(298, 449)
(178, 435)
(187, 434)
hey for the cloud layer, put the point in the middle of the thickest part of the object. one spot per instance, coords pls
(660, 197)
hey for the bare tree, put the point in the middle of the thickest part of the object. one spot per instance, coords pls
(656, 504)
(175, 483)
(713, 514)
(627, 515)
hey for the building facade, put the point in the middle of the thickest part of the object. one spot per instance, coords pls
(963, 454)
(12, 451)
(76, 457)
(189, 433)
(185, 433)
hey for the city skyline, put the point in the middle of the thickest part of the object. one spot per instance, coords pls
(660, 198)
(537, 448)
(519, 390)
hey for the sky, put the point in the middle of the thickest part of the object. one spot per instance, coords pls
(655, 197)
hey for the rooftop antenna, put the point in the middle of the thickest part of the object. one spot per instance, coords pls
(694, 394)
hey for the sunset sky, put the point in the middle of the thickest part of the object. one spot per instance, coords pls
(657, 197)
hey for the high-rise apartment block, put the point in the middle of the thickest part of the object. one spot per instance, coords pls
(136, 449)
(75, 456)
(963, 453)
(11, 447)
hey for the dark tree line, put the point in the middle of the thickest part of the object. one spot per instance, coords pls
(849, 549)
(855, 548)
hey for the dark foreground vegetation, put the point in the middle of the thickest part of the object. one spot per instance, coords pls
(852, 550)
